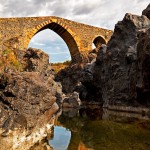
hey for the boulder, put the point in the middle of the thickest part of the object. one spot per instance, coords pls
(27, 94)
(69, 77)
(71, 101)
(36, 60)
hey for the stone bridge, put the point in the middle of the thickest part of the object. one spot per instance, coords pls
(17, 33)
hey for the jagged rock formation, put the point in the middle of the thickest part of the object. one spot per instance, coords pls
(143, 66)
(79, 78)
(69, 77)
(121, 71)
(120, 75)
(146, 12)
(71, 101)
(27, 94)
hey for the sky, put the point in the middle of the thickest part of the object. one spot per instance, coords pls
(100, 13)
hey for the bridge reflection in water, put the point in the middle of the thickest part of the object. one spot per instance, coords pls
(92, 129)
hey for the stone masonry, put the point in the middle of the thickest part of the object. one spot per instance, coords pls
(17, 33)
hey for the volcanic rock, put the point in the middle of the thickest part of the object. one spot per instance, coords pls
(71, 101)
(117, 65)
(146, 11)
(26, 95)
(143, 68)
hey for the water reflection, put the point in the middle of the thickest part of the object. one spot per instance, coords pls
(60, 139)
(116, 131)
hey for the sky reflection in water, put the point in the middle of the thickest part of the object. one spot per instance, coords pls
(61, 138)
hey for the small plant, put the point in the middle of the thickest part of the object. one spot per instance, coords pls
(9, 60)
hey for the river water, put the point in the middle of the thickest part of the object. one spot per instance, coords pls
(98, 129)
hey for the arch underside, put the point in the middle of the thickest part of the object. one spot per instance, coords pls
(98, 41)
(66, 36)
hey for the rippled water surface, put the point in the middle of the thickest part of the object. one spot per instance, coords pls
(94, 129)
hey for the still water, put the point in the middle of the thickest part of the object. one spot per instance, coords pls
(61, 138)
(96, 129)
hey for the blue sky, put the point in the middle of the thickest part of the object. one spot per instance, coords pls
(61, 138)
(100, 13)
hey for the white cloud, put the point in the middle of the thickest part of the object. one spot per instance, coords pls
(59, 53)
(94, 12)
(1, 8)
(34, 42)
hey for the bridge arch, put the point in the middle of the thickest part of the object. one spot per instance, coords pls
(98, 41)
(63, 31)
(77, 36)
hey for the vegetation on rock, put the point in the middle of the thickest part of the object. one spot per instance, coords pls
(59, 66)
(9, 60)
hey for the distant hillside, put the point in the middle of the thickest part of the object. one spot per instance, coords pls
(58, 66)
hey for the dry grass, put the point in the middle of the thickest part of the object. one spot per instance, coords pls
(59, 66)
(9, 60)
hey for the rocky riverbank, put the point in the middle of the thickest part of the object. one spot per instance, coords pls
(120, 74)
(29, 97)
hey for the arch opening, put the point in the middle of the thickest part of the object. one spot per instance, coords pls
(65, 35)
(52, 44)
(98, 41)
